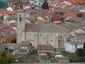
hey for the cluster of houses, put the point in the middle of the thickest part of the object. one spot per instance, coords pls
(62, 26)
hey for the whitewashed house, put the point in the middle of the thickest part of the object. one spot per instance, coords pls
(75, 41)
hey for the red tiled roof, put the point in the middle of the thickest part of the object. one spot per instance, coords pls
(44, 17)
(40, 22)
(76, 1)
(3, 26)
(45, 47)
(51, 13)
(9, 38)
(6, 12)
(71, 13)
(55, 18)
(82, 3)
(10, 28)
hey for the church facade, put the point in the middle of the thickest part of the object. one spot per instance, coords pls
(40, 34)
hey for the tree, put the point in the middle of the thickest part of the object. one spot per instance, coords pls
(80, 52)
(5, 58)
(45, 5)
(84, 46)
(33, 50)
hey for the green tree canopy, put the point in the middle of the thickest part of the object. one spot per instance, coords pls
(13, 41)
(45, 5)
(5, 58)
(84, 46)
(80, 52)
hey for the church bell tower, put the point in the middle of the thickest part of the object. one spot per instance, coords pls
(20, 26)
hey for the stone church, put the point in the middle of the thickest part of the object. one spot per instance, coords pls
(40, 34)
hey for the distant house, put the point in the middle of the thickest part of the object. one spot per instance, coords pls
(56, 19)
(7, 33)
(75, 41)
(70, 14)
(73, 46)
(65, 4)
(22, 49)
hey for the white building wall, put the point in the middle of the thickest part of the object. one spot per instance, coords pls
(42, 38)
(80, 46)
(69, 48)
(51, 39)
(32, 37)
(23, 36)
(72, 48)
(35, 39)
(56, 41)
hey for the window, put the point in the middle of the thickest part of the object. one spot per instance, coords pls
(40, 35)
(60, 36)
(35, 2)
(79, 15)
(61, 13)
(20, 18)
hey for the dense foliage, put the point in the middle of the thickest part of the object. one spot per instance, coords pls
(79, 52)
(84, 46)
(13, 41)
(45, 5)
(5, 58)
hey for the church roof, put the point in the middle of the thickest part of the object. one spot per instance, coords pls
(45, 28)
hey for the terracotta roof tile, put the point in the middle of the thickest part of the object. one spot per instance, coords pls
(40, 22)
(6, 12)
(45, 47)
(71, 13)
(76, 1)
(44, 17)
(3, 26)
(9, 38)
